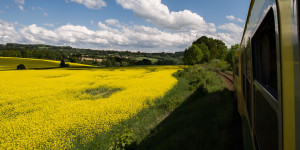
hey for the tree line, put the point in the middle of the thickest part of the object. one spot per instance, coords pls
(109, 57)
(206, 49)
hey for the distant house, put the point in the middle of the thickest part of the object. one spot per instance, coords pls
(91, 59)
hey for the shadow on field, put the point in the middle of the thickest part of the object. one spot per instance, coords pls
(209, 122)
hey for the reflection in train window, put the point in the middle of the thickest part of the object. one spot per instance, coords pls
(264, 55)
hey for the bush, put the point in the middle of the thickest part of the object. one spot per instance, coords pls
(21, 67)
(63, 64)
(117, 64)
(124, 63)
(124, 140)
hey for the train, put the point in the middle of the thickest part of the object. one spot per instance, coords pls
(266, 76)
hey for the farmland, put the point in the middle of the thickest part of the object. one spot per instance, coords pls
(10, 63)
(50, 109)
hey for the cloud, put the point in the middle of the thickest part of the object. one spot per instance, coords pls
(8, 32)
(233, 33)
(113, 22)
(49, 24)
(45, 14)
(35, 34)
(231, 27)
(159, 14)
(231, 17)
(20, 2)
(21, 7)
(125, 37)
(240, 20)
(102, 26)
(92, 4)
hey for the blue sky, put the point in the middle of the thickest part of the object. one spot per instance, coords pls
(138, 25)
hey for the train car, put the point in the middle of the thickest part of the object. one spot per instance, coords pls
(266, 76)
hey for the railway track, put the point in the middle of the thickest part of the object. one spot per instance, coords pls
(227, 77)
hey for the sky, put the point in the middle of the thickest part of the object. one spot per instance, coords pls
(135, 25)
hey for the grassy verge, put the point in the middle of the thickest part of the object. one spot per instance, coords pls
(198, 113)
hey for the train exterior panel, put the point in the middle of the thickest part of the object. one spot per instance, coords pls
(266, 76)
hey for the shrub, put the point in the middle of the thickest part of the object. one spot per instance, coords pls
(63, 64)
(124, 63)
(21, 67)
(117, 64)
(124, 140)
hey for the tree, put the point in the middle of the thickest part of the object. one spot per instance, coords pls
(231, 52)
(63, 64)
(117, 64)
(193, 55)
(21, 67)
(205, 51)
(217, 48)
(222, 49)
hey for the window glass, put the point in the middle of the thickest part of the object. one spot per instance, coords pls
(264, 55)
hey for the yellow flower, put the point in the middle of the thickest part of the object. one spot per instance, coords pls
(49, 109)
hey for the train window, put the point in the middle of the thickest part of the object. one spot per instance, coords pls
(236, 62)
(264, 55)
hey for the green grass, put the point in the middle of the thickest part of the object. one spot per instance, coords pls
(11, 63)
(153, 60)
(195, 114)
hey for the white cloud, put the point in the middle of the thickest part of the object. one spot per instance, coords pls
(35, 34)
(8, 32)
(159, 14)
(20, 2)
(92, 4)
(45, 14)
(49, 24)
(21, 7)
(102, 26)
(126, 37)
(231, 17)
(113, 22)
(232, 35)
(240, 20)
(231, 27)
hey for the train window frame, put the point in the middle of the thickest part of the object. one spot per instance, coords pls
(274, 101)
(261, 73)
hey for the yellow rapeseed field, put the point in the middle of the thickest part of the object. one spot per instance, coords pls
(50, 109)
(10, 63)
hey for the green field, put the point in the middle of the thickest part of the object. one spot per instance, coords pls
(11, 63)
(153, 60)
